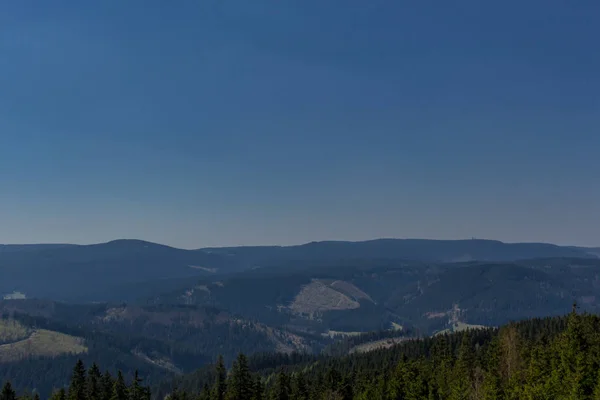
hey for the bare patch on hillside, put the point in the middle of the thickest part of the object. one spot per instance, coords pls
(350, 290)
(16, 295)
(376, 345)
(397, 327)
(13, 331)
(317, 297)
(207, 269)
(161, 362)
(42, 343)
(431, 315)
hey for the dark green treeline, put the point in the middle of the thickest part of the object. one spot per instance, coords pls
(545, 359)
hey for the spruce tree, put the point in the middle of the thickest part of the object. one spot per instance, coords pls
(259, 389)
(8, 392)
(77, 390)
(205, 393)
(596, 395)
(282, 387)
(60, 394)
(240, 382)
(137, 391)
(94, 384)
(299, 389)
(416, 387)
(119, 388)
(220, 388)
(106, 386)
(460, 387)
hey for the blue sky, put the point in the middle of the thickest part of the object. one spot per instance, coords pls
(274, 122)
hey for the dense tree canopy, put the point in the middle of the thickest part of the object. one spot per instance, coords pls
(553, 358)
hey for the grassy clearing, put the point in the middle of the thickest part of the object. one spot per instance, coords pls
(42, 343)
(12, 331)
(460, 327)
(317, 297)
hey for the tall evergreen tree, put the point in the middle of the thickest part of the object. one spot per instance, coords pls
(259, 389)
(94, 384)
(240, 385)
(119, 388)
(77, 390)
(220, 387)
(282, 388)
(460, 387)
(596, 395)
(205, 393)
(299, 389)
(106, 386)
(60, 394)
(8, 393)
(137, 391)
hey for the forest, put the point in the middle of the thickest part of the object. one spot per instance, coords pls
(547, 358)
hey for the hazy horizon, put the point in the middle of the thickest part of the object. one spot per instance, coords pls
(224, 123)
(296, 244)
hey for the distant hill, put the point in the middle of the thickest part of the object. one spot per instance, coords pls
(368, 295)
(405, 249)
(124, 270)
(118, 270)
(6, 248)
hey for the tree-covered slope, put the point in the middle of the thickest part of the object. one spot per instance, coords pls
(124, 270)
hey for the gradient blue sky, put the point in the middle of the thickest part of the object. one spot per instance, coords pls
(200, 123)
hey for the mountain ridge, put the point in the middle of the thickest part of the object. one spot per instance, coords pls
(129, 269)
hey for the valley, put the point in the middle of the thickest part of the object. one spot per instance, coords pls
(174, 322)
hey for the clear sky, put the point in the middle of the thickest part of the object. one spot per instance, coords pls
(201, 123)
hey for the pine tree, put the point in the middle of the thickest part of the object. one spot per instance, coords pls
(220, 388)
(282, 387)
(333, 380)
(94, 384)
(596, 395)
(416, 387)
(397, 383)
(36, 396)
(259, 389)
(60, 394)
(106, 386)
(299, 389)
(119, 388)
(175, 394)
(205, 393)
(8, 392)
(77, 390)
(25, 396)
(460, 387)
(137, 391)
(240, 382)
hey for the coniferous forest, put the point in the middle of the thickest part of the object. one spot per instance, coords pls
(550, 358)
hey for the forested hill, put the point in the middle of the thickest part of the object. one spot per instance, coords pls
(126, 270)
(552, 358)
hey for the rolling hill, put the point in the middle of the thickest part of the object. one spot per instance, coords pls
(125, 270)
(118, 270)
(372, 295)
